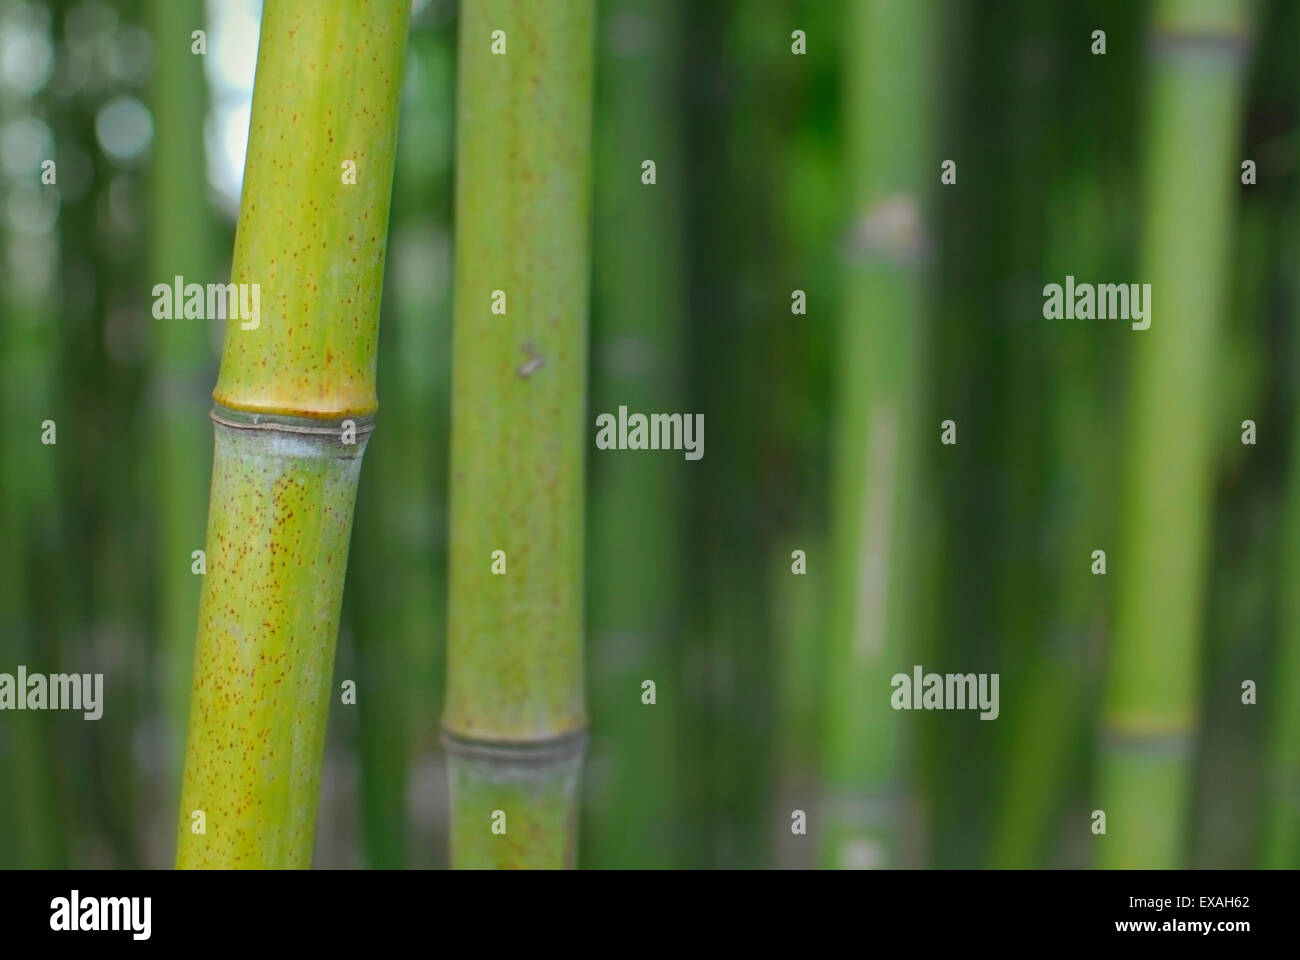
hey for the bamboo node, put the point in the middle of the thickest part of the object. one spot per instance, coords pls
(892, 230)
(1171, 743)
(565, 746)
(1169, 41)
(361, 426)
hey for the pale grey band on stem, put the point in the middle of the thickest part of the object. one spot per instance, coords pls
(883, 805)
(1174, 743)
(1233, 47)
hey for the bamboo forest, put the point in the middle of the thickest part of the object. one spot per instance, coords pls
(669, 434)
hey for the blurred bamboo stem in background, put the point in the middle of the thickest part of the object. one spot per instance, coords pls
(878, 436)
(295, 397)
(182, 246)
(30, 833)
(1060, 676)
(1199, 51)
(1279, 836)
(515, 717)
(634, 602)
(1052, 716)
(397, 601)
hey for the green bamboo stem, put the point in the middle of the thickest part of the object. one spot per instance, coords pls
(514, 648)
(796, 373)
(376, 617)
(1149, 712)
(284, 474)
(707, 257)
(1049, 714)
(950, 765)
(30, 795)
(424, 387)
(799, 614)
(94, 500)
(1046, 717)
(750, 115)
(1022, 433)
(1279, 837)
(636, 340)
(533, 790)
(878, 437)
(426, 392)
(182, 246)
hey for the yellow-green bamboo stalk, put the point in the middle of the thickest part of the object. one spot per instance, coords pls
(515, 715)
(1198, 52)
(294, 402)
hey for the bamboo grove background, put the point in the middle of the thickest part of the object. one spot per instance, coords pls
(773, 170)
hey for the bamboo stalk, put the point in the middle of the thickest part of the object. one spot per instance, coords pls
(425, 392)
(32, 803)
(751, 95)
(515, 714)
(284, 472)
(707, 259)
(182, 246)
(1059, 680)
(1279, 836)
(1048, 718)
(1149, 711)
(799, 614)
(30, 795)
(878, 436)
(950, 764)
(634, 617)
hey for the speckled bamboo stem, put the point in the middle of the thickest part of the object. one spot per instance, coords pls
(514, 659)
(295, 398)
